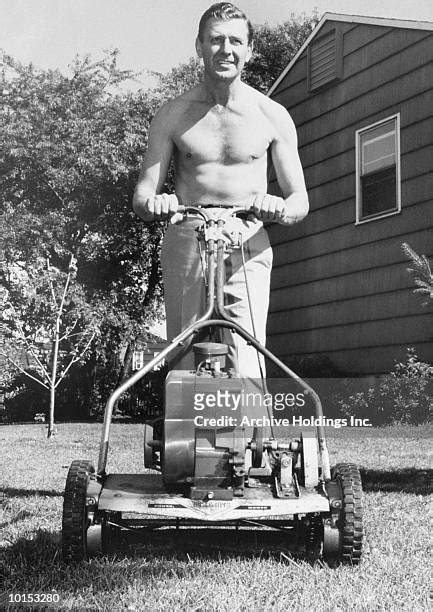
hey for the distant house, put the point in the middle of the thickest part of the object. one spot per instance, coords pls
(360, 91)
(145, 349)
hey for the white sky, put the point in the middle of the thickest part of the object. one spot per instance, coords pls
(150, 34)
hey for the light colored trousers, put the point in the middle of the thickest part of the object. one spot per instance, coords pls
(185, 293)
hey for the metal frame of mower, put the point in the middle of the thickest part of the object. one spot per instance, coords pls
(322, 506)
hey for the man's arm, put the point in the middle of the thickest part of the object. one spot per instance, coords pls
(146, 201)
(293, 206)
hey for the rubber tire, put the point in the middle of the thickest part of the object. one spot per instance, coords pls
(351, 518)
(75, 520)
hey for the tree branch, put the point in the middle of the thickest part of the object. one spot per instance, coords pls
(74, 359)
(68, 334)
(58, 196)
(22, 370)
(30, 348)
(50, 282)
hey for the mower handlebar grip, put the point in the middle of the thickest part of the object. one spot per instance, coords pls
(201, 210)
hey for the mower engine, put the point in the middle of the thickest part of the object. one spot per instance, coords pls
(204, 449)
(202, 446)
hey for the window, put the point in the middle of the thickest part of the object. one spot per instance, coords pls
(137, 360)
(325, 60)
(142, 358)
(378, 170)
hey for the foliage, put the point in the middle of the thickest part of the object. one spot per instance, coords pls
(25, 399)
(144, 401)
(70, 160)
(179, 79)
(405, 395)
(45, 318)
(421, 271)
(274, 47)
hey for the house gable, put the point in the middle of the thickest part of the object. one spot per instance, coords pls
(324, 25)
(341, 289)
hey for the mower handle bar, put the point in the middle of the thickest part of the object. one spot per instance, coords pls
(201, 211)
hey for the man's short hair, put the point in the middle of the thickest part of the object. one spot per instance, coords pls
(224, 11)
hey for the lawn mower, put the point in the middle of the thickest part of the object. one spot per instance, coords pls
(214, 472)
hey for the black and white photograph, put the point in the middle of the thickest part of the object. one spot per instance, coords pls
(216, 299)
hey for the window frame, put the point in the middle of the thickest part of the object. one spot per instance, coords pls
(358, 136)
(137, 360)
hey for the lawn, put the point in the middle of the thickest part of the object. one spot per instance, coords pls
(198, 571)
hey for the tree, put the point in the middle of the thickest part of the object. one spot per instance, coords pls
(70, 159)
(274, 47)
(44, 317)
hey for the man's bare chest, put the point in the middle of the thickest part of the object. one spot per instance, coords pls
(223, 137)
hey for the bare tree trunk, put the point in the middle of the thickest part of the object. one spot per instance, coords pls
(50, 433)
(49, 376)
(53, 377)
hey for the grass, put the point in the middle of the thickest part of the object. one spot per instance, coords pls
(197, 571)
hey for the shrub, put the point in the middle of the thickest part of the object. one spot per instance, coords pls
(405, 395)
(421, 272)
(24, 397)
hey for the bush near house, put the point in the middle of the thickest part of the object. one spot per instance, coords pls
(404, 396)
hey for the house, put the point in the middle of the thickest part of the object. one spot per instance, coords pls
(360, 91)
(145, 349)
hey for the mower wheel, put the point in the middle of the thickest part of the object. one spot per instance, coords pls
(76, 521)
(346, 548)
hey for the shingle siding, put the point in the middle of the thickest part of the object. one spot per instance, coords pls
(337, 288)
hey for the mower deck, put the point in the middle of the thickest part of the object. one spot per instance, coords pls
(145, 494)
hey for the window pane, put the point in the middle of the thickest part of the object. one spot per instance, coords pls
(379, 192)
(137, 360)
(380, 130)
(378, 148)
(378, 153)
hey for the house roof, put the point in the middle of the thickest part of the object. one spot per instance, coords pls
(379, 21)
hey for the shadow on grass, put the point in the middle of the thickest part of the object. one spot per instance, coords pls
(39, 559)
(409, 480)
(11, 492)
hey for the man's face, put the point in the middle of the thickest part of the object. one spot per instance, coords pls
(224, 48)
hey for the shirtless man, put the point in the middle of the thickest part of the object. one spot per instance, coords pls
(219, 134)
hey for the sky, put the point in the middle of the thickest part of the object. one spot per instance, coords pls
(152, 35)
